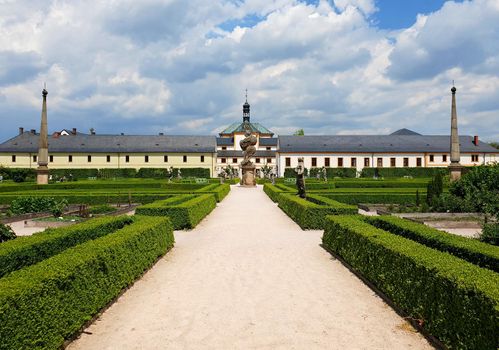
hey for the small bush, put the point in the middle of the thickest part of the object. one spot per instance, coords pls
(490, 234)
(6, 233)
(24, 205)
(102, 209)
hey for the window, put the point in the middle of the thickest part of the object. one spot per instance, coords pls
(379, 162)
(127, 159)
(165, 159)
(392, 162)
(184, 159)
(327, 162)
(70, 159)
(366, 162)
(34, 159)
(268, 148)
(51, 159)
(432, 158)
(89, 159)
(234, 160)
(353, 162)
(314, 161)
(146, 159)
(269, 160)
(13, 158)
(406, 162)
(257, 160)
(224, 148)
(224, 160)
(340, 162)
(474, 157)
(444, 157)
(202, 159)
(108, 158)
(288, 161)
(418, 161)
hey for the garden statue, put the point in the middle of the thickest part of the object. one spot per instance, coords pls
(179, 174)
(249, 150)
(318, 175)
(300, 180)
(324, 173)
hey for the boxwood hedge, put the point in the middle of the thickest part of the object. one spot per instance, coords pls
(472, 250)
(310, 215)
(28, 250)
(185, 212)
(219, 190)
(456, 301)
(44, 304)
(272, 191)
(372, 198)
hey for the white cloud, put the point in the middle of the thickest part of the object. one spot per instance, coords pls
(168, 65)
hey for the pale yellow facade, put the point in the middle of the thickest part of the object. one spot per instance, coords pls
(112, 160)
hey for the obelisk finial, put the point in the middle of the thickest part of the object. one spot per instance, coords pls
(42, 177)
(455, 155)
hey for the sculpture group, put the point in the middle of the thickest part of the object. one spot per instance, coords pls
(247, 167)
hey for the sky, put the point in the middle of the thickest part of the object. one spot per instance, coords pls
(182, 67)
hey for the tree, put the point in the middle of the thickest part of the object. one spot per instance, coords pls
(494, 144)
(299, 132)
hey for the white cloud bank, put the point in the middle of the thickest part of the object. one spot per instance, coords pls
(148, 66)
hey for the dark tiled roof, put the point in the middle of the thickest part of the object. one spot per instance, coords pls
(378, 143)
(225, 141)
(28, 142)
(230, 153)
(239, 127)
(404, 131)
(268, 141)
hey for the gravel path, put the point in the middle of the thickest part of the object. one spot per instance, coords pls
(249, 279)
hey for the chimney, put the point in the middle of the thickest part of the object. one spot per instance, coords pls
(74, 131)
(21, 130)
(475, 140)
(33, 131)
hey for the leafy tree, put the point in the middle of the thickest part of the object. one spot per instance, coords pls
(299, 132)
(494, 144)
(6, 233)
(266, 170)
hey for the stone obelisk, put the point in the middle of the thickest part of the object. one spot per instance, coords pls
(455, 167)
(42, 172)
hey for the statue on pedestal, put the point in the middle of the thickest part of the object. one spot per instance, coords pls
(249, 150)
(300, 180)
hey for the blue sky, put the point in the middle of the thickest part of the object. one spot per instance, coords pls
(181, 67)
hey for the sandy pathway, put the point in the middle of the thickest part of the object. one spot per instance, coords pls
(270, 286)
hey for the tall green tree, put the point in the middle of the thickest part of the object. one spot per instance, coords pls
(299, 132)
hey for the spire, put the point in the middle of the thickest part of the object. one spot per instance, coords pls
(42, 171)
(455, 166)
(246, 109)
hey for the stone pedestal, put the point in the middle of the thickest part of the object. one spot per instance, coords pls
(248, 175)
(42, 175)
(455, 171)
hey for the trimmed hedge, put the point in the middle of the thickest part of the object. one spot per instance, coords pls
(184, 211)
(331, 172)
(456, 301)
(310, 215)
(219, 190)
(372, 198)
(401, 172)
(44, 304)
(272, 191)
(381, 184)
(469, 249)
(29, 250)
(96, 198)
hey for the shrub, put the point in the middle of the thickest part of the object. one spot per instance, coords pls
(401, 172)
(311, 213)
(219, 190)
(44, 304)
(29, 250)
(372, 198)
(185, 211)
(454, 300)
(101, 209)
(490, 233)
(469, 249)
(272, 191)
(24, 205)
(6, 233)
